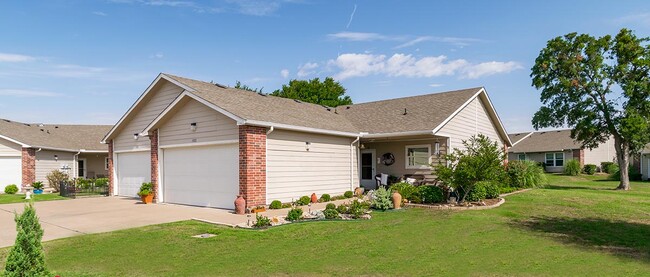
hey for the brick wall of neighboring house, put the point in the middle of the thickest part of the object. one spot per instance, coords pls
(579, 154)
(111, 181)
(29, 166)
(252, 164)
(154, 163)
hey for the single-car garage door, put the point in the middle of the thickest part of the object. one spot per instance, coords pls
(133, 169)
(10, 171)
(201, 176)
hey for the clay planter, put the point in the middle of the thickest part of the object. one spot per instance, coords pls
(240, 205)
(258, 210)
(314, 198)
(147, 199)
(397, 200)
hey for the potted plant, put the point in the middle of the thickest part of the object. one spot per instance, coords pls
(38, 187)
(146, 193)
(258, 209)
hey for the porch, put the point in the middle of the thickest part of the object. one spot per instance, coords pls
(400, 158)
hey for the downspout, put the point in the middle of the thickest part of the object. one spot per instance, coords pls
(352, 163)
(270, 130)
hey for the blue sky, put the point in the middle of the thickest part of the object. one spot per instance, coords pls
(87, 61)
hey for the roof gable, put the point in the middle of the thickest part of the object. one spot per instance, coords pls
(545, 141)
(54, 136)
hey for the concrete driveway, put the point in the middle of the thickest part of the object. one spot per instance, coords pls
(66, 218)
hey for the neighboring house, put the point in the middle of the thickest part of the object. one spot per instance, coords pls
(644, 163)
(554, 148)
(28, 152)
(203, 144)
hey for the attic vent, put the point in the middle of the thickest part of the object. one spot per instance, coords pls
(297, 101)
(56, 127)
(347, 108)
(28, 125)
(7, 120)
(41, 124)
(220, 85)
(404, 112)
(328, 109)
(262, 94)
(42, 130)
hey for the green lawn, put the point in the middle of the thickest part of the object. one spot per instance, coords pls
(576, 226)
(18, 198)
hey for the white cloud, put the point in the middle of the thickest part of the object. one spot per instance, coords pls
(100, 13)
(357, 36)
(403, 65)
(640, 18)
(257, 8)
(28, 93)
(170, 3)
(158, 55)
(284, 73)
(407, 40)
(247, 7)
(307, 69)
(461, 42)
(13, 58)
(436, 85)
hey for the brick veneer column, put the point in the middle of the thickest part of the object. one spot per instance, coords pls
(252, 164)
(29, 166)
(154, 163)
(111, 181)
(579, 154)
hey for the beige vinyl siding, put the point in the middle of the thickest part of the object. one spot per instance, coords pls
(471, 120)
(46, 163)
(292, 171)
(8, 148)
(210, 125)
(95, 164)
(398, 149)
(645, 161)
(161, 98)
(605, 152)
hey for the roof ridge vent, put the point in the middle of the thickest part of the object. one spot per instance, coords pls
(220, 85)
(297, 101)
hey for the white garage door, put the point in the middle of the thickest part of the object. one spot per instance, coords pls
(201, 176)
(10, 171)
(133, 169)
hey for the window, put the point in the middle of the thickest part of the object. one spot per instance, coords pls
(106, 163)
(555, 159)
(417, 156)
(521, 157)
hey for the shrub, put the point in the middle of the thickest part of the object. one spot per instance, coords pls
(331, 214)
(37, 185)
(492, 190)
(381, 199)
(572, 167)
(632, 172)
(27, 257)
(477, 193)
(481, 160)
(430, 194)
(275, 204)
(506, 189)
(262, 221)
(294, 214)
(305, 200)
(286, 205)
(343, 208)
(357, 208)
(406, 190)
(55, 178)
(589, 169)
(525, 174)
(325, 197)
(611, 168)
(604, 167)
(101, 182)
(11, 189)
(348, 194)
(145, 189)
(330, 206)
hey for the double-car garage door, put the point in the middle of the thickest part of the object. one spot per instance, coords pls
(10, 171)
(205, 176)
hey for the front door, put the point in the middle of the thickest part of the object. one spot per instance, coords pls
(368, 168)
(81, 168)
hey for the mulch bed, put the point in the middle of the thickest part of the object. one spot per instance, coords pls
(485, 204)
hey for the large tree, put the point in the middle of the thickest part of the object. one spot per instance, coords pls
(601, 88)
(329, 92)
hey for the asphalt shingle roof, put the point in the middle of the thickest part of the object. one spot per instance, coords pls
(424, 112)
(545, 141)
(60, 136)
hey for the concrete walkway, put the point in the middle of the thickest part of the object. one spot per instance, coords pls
(66, 218)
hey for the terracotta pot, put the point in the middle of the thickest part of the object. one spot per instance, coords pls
(240, 205)
(314, 198)
(397, 200)
(258, 210)
(147, 199)
(358, 191)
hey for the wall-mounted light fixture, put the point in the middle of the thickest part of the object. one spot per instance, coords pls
(436, 148)
(56, 157)
(193, 126)
(362, 146)
(307, 145)
(135, 136)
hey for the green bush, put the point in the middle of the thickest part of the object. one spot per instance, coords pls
(145, 189)
(525, 174)
(343, 208)
(11, 189)
(325, 197)
(430, 194)
(611, 168)
(101, 182)
(604, 167)
(572, 167)
(262, 221)
(330, 206)
(27, 257)
(286, 205)
(589, 169)
(506, 189)
(305, 200)
(477, 193)
(331, 213)
(632, 172)
(275, 204)
(406, 190)
(348, 194)
(294, 214)
(55, 178)
(492, 190)
(357, 208)
(381, 200)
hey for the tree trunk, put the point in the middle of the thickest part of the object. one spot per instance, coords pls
(623, 157)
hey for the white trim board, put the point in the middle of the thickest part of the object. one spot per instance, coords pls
(197, 144)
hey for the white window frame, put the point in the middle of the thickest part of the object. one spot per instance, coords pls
(406, 156)
(555, 159)
(106, 163)
(525, 157)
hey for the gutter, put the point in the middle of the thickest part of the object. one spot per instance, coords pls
(352, 163)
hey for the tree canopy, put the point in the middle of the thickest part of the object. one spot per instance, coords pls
(598, 86)
(328, 92)
(239, 85)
